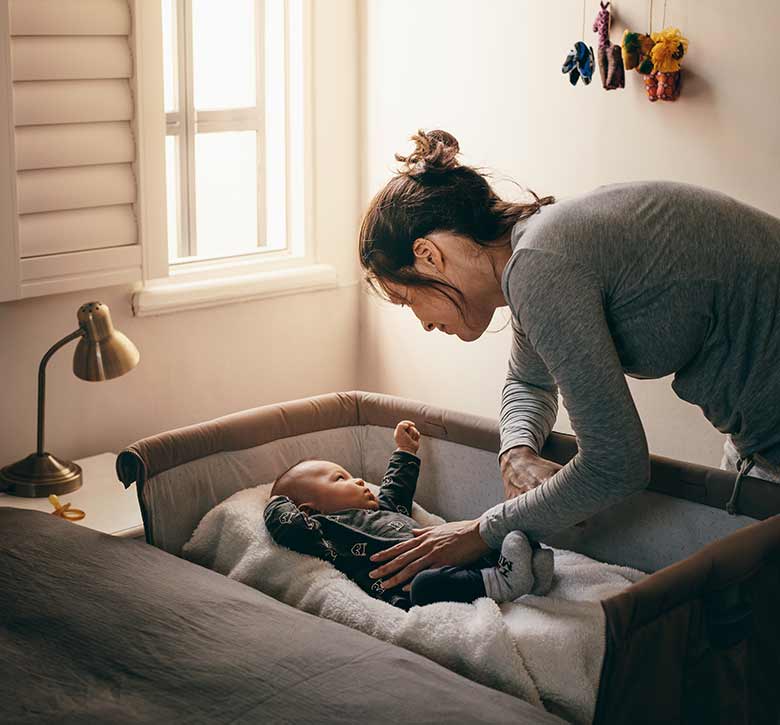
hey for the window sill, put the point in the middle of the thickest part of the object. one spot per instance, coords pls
(163, 296)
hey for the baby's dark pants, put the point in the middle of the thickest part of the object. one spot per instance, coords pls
(447, 584)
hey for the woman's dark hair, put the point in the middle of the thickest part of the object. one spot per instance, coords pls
(432, 192)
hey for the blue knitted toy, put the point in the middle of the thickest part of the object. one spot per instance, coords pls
(579, 63)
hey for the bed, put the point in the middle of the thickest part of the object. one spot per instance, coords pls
(696, 641)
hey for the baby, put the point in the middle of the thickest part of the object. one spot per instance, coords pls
(318, 508)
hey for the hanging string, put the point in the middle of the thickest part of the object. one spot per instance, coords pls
(583, 20)
(651, 17)
(663, 22)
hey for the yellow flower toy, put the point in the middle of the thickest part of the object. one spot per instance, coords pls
(664, 82)
(668, 49)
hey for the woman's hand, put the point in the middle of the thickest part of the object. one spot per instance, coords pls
(522, 470)
(454, 544)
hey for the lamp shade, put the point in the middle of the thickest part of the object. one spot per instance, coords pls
(102, 353)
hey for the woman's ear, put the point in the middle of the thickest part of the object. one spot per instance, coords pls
(428, 254)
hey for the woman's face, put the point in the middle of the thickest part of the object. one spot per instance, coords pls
(452, 259)
(437, 312)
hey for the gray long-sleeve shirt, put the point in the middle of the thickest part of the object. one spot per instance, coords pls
(643, 279)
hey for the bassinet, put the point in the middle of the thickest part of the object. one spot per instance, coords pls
(695, 642)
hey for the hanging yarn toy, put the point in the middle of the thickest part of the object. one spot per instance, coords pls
(636, 52)
(609, 56)
(664, 81)
(579, 62)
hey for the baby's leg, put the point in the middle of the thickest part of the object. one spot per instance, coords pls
(448, 584)
(522, 568)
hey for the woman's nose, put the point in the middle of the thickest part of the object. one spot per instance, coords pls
(360, 482)
(428, 326)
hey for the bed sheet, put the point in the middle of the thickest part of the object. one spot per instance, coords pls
(99, 629)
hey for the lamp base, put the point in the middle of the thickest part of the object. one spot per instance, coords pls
(40, 475)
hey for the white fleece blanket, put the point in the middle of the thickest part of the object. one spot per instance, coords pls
(545, 650)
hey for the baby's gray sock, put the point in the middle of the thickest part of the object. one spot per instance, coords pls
(512, 576)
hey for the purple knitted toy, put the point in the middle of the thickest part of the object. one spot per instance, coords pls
(609, 56)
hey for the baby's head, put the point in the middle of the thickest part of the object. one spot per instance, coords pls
(325, 487)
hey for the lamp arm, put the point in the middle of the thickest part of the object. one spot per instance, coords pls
(42, 381)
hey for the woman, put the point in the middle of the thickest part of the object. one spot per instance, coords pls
(644, 279)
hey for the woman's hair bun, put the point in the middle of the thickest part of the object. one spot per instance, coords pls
(434, 153)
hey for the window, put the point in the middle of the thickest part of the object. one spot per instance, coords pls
(234, 129)
(226, 124)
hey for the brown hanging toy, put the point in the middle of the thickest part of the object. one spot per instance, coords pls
(609, 55)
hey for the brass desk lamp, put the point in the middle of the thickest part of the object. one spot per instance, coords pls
(103, 353)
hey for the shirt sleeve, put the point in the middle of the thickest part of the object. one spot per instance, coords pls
(292, 528)
(399, 483)
(529, 401)
(561, 309)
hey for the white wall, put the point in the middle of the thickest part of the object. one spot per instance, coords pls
(201, 364)
(489, 72)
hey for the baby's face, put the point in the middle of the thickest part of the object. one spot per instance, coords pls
(327, 487)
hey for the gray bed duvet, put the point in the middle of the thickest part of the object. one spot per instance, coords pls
(98, 629)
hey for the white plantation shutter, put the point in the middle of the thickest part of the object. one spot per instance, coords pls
(72, 122)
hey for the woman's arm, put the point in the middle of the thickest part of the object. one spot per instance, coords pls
(529, 400)
(562, 312)
(529, 407)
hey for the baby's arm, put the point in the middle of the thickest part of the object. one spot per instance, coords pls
(400, 479)
(292, 528)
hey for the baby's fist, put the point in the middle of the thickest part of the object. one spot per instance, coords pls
(407, 437)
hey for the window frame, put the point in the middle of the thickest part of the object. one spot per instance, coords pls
(169, 287)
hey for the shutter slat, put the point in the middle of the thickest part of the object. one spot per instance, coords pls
(75, 188)
(69, 17)
(70, 57)
(76, 230)
(74, 144)
(80, 263)
(49, 102)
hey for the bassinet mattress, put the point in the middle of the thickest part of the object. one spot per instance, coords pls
(547, 650)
